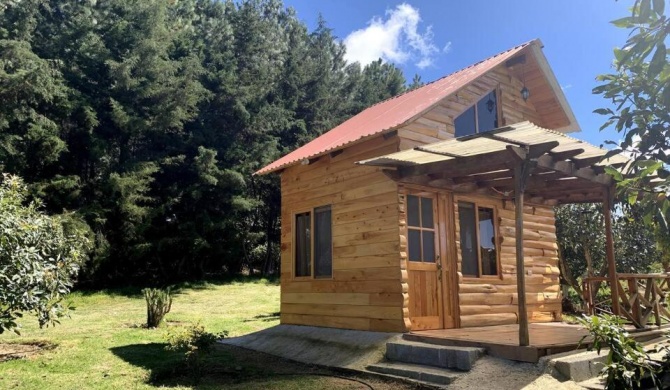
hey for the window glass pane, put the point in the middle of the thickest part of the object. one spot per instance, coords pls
(427, 213)
(323, 248)
(412, 210)
(487, 238)
(428, 246)
(469, 247)
(465, 123)
(302, 245)
(414, 244)
(487, 113)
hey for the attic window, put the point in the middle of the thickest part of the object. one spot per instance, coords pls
(479, 118)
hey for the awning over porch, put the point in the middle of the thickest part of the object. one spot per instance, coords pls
(566, 170)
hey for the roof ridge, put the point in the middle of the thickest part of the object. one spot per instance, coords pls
(517, 47)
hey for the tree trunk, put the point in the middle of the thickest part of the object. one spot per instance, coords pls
(567, 275)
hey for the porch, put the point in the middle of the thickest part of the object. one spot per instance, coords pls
(503, 340)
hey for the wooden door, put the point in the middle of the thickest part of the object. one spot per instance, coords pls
(423, 260)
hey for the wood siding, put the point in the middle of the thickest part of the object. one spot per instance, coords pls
(438, 123)
(493, 300)
(366, 290)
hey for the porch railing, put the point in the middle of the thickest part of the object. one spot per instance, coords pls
(642, 297)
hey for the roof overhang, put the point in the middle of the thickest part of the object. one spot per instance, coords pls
(567, 170)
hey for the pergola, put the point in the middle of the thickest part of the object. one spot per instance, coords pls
(520, 162)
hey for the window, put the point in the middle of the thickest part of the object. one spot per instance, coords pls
(479, 254)
(314, 252)
(479, 118)
(420, 229)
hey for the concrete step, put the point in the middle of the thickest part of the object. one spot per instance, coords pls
(444, 356)
(436, 376)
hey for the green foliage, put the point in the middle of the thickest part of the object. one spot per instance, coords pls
(148, 119)
(40, 256)
(627, 362)
(639, 91)
(159, 303)
(195, 343)
(581, 239)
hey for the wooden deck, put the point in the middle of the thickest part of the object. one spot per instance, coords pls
(503, 340)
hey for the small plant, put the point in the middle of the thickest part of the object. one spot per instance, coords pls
(195, 343)
(159, 303)
(627, 364)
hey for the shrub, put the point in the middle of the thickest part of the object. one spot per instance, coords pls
(627, 364)
(39, 257)
(159, 303)
(195, 343)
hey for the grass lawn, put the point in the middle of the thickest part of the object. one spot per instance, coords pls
(103, 346)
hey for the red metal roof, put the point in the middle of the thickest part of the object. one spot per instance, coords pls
(392, 113)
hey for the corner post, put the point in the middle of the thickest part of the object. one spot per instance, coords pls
(521, 173)
(608, 204)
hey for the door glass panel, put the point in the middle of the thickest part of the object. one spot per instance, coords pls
(427, 213)
(467, 221)
(414, 243)
(487, 239)
(428, 246)
(487, 113)
(464, 124)
(413, 210)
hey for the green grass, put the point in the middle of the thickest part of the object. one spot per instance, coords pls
(103, 346)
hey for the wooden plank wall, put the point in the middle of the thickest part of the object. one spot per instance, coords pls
(365, 291)
(438, 123)
(493, 301)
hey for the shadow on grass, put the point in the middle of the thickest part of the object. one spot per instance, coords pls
(152, 357)
(265, 317)
(167, 368)
(204, 284)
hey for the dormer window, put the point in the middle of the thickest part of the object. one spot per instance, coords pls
(479, 118)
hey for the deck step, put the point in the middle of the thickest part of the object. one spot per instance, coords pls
(438, 376)
(444, 356)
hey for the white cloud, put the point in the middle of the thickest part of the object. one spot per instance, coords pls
(447, 48)
(396, 39)
(566, 87)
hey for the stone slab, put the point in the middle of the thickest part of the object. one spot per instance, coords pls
(416, 372)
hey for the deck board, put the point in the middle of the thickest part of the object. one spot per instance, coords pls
(503, 340)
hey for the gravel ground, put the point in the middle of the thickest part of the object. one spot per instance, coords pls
(500, 374)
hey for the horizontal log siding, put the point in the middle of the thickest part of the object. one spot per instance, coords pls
(438, 123)
(493, 300)
(365, 292)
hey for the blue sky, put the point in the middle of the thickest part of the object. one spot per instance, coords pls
(434, 38)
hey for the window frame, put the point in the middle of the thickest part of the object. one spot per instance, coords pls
(499, 112)
(496, 228)
(312, 241)
(434, 197)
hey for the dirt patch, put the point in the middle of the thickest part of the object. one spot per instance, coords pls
(12, 351)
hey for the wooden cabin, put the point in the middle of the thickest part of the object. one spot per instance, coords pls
(374, 239)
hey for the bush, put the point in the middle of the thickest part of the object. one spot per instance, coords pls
(159, 303)
(628, 365)
(39, 258)
(195, 343)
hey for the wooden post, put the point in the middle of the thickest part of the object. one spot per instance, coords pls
(608, 204)
(521, 173)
